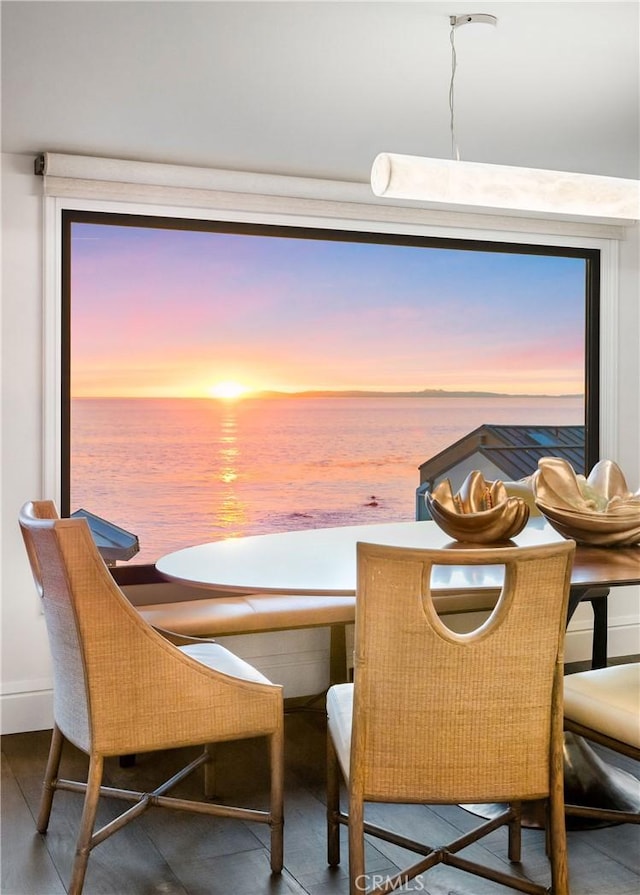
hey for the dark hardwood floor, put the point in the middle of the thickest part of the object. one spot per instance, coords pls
(174, 853)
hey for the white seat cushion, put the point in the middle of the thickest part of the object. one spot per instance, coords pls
(220, 659)
(606, 700)
(339, 718)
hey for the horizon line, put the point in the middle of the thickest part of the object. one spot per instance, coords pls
(268, 394)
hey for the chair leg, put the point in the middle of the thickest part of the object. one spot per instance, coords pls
(558, 844)
(48, 784)
(276, 757)
(210, 771)
(333, 805)
(357, 877)
(83, 846)
(515, 833)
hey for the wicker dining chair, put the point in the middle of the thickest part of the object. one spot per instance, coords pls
(438, 717)
(602, 705)
(120, 687)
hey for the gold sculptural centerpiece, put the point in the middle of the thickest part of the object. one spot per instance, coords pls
(481, 512)
(598, 510)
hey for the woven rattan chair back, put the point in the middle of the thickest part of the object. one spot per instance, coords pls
(444, 717)
(121, 688)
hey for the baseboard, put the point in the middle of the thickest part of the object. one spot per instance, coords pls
(20, 712)
(622, 640)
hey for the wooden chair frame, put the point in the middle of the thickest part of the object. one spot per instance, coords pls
(120, 687)
(400, 642)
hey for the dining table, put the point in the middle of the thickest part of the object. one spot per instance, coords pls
(322, 561)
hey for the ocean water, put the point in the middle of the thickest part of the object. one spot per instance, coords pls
(178, 472)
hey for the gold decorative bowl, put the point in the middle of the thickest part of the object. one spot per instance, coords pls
(599, 510)
(480, 513)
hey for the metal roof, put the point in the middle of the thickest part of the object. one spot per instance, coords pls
(513, 449)
(113, 542)
(525, 445)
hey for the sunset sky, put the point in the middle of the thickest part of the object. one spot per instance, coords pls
(173, 313)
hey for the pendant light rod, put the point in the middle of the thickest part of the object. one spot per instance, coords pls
(456, 22)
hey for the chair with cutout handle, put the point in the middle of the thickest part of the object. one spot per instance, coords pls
(437, 717)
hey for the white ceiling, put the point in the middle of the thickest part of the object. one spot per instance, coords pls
(318, 88)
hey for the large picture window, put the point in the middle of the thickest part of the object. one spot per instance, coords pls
(228, 379)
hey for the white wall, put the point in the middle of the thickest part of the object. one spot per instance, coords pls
(26, 696)
(25, 652)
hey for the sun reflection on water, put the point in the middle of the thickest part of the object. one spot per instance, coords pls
(231, 511)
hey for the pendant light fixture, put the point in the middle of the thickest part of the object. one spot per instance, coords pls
(477, 186)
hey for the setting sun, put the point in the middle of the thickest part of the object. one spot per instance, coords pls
(228, 390)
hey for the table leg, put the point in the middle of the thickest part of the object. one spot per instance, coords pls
(600, 626)
(589, 781)
(597, 596)
(338, 655)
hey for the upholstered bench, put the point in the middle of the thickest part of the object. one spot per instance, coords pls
(198, 612)
(259, 613)
(248, 614)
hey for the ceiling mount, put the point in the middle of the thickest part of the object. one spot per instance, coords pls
(481, 17)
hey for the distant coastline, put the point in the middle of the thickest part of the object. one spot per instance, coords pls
(325, 393)
(424, 393)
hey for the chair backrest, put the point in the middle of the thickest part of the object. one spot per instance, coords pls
(41, 509)
(446, 717)
(71, 705)
(111, 670)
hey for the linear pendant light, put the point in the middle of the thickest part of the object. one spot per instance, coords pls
(475, 185)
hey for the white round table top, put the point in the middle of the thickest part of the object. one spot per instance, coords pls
(322, 560)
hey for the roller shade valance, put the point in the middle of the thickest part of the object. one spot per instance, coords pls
(180, 186)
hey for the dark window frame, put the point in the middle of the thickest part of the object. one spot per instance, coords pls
(591, 256)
